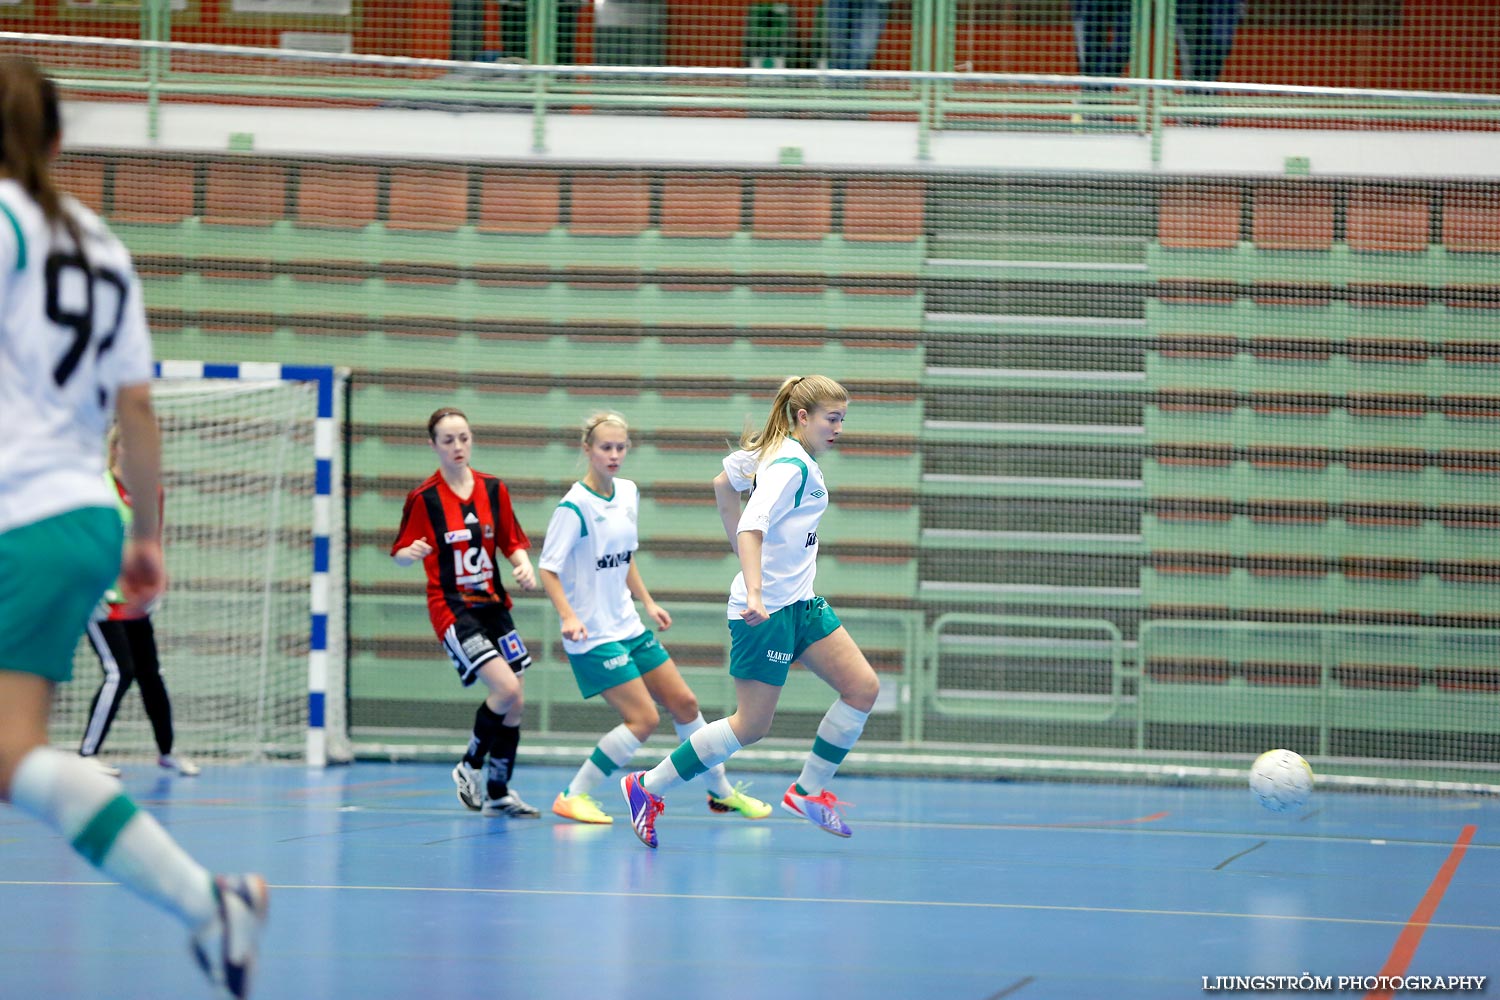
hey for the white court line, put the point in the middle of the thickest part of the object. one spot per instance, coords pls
(915, 903)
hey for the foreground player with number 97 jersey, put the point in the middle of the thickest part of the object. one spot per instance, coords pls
(57, 398)
(74, 355)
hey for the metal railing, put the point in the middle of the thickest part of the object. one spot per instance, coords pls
(930, 101)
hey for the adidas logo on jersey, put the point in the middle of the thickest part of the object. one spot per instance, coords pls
(469, 518)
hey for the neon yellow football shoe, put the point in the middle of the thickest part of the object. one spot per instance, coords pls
(737, 801)
(581, 808)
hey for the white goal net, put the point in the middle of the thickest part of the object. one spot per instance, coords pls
(253, 506)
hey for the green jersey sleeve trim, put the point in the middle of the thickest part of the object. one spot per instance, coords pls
(583, 526)
(797, 500)
(20, 237)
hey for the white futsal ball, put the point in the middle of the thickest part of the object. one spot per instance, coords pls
(1281, 780)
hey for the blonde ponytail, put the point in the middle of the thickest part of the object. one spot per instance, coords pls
(800, 392)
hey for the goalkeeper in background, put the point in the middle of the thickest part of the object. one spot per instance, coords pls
(454, 523)
(125, 643)
(74, 350)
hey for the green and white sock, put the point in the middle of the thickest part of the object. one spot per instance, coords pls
(110, 832)
(713, 744)
(715, 778)
(837, 734)
(614, 750)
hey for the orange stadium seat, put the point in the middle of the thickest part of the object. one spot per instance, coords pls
(883, 209)
(244, 193)
(1199, 217)
(435, 198)
(1388, 219)
(700, 206)
(1471, 220)
(153, 190)
(606, 204)
(344, 195)
(1294, 216)
(792, 208)
(83, 178)
(512, 202)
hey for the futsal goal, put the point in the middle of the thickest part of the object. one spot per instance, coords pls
(251, 630)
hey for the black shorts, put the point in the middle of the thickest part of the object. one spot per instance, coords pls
(480, 634)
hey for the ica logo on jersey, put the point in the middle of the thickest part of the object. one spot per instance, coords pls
(472, 566)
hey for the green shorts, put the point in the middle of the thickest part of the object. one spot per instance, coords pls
(611, 664)
(52, 574)
(765, 652)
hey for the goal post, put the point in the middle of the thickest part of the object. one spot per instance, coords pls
(250, 632)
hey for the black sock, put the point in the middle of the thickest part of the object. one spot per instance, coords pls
(487, 726)
(502, 760)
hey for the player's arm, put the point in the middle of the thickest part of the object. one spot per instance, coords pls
(727, 499)
(411, 543)
(511, 541)
(751, 541)
(572, 626)
(142, 572)
(638, 590)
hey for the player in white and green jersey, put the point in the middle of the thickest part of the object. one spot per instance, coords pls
(775, 615)
(75, 355)
(588, 570)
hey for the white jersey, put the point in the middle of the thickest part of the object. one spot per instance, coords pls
(788, 500)
(590, 542)
(72, 333)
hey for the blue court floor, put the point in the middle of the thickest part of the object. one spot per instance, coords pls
(385, 887)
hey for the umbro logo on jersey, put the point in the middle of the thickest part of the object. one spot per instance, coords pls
(599, 518)
(469, 518)
(817, 494)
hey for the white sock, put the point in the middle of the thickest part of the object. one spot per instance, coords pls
(713, 744)
(837, 733)
(613, 752)
(104, 826)
(716, 780)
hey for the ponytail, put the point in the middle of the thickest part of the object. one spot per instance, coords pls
(800, 392)
(30, 125)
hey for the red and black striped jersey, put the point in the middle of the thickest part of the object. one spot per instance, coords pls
(465, 535)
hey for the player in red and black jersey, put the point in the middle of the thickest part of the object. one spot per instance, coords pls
(455, 522)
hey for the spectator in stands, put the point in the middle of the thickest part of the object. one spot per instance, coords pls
(854, 28)
(75, 352)
(588, 570)
(125, 643)
(1205, 34)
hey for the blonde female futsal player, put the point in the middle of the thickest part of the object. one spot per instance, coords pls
(74, 352)
(775, 616)
(587, 568)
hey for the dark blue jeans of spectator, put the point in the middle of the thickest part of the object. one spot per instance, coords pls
(1205, 33)
(1101, 35)
(854, 28)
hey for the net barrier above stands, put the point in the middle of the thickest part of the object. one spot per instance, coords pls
(250, 633)
(1147, 471)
